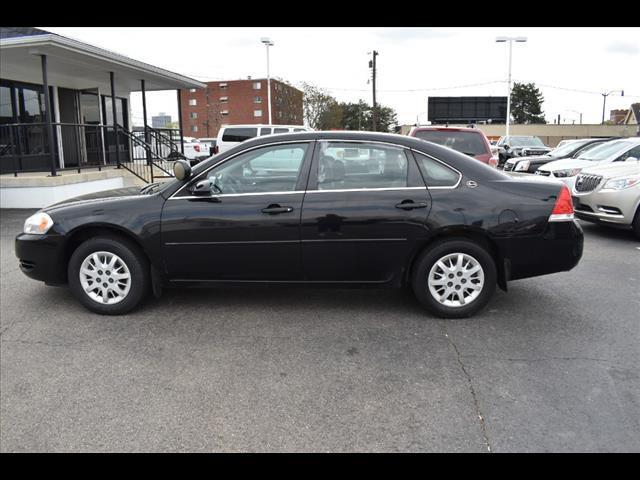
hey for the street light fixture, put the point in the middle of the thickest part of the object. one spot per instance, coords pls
(604, 99)
(268, 43)
(510, 40)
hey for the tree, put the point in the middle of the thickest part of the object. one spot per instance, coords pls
(359, 116)
(320, 110)
(526, 103)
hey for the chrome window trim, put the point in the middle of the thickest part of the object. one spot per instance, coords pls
(443, 163)
(383, 189)
(232, 157)
(288, 192)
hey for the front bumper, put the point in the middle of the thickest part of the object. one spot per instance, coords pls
(42, 257)
(617, 208)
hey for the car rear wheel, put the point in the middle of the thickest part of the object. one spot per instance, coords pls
(109, 276)
(454, 278)
(636, 223)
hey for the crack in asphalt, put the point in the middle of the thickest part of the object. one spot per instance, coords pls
(472, 390)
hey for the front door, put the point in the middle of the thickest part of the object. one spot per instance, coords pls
(248, 228)
(364, 213)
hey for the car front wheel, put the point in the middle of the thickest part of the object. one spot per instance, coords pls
(454, 278)
(108, 276)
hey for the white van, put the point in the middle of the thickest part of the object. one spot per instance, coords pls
(231, 135)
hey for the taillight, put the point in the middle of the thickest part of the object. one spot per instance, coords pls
(196, 148)
(563, 209)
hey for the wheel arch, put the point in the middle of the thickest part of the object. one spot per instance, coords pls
(465, 233)
(86, 232)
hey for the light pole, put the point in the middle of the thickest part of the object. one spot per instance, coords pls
(268, 43)
(604, 100)
(510, 40)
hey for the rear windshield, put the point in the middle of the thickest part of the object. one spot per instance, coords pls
(239, 134)
(469, 143)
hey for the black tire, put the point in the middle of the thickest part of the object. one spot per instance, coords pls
(424, 263)
(135, 261)
(636, 223)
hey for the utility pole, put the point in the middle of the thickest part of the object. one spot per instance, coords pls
(604, 100)
(372, 65)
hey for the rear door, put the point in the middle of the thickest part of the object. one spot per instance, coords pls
(364, 212)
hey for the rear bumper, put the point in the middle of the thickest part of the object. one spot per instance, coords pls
(558, 249)
(42, 257)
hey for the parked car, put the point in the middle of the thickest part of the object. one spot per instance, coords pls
(470, 141)
(570, 149)
(339, 208)
(613, 151)
(231, 135)
(519, 146)
(194, 151)
(210, 143)
(610, 194)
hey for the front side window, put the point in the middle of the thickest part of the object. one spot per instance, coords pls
(352, 166)
(268, 169)
(436, 174)
(239, 134)
(265, 131)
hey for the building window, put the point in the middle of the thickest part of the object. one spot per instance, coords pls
(279, 114)
(256, 86)
(194, 128)
(223, 85)
(192, 90)
(194, 114)
(193, 102)
(224, 112)
(224, 99)
(257, 113)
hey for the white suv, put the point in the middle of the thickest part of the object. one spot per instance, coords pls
(231, 135)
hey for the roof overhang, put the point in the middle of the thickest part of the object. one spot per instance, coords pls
(74, 64)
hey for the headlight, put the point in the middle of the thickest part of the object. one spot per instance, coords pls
(522, 166)
(39, 223)
(570, 172)
(621, 183)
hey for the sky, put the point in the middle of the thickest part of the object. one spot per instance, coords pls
(570, 65)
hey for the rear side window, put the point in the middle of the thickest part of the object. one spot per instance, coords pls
(436, 174)
(470, 143)
(299, 130)
(355, 166)
(280, 130)
(265, 131)
(239, 134)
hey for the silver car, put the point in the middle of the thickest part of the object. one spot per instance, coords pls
(609, 194)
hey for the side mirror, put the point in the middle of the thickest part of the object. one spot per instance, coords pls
(201, 189)
(182, 170)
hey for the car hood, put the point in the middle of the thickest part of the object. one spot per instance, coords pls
(567, 163)
(532, 158)
(96, 197)
(616, 169)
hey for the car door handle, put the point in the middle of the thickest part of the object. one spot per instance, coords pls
(275, 209)
(410, 205)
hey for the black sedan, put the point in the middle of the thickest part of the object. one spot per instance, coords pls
(338, 208)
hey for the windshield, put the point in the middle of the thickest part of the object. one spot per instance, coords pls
(525, 142)
(567, 148)
(470, 143)
(604, 151)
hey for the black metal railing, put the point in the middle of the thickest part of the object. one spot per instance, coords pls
(24, 147)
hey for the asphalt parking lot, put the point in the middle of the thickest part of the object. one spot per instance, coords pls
(553, 365)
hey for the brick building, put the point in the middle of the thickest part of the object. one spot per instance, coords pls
(205, 110)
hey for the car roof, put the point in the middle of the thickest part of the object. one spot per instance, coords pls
(437, 127)
(260, 125)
